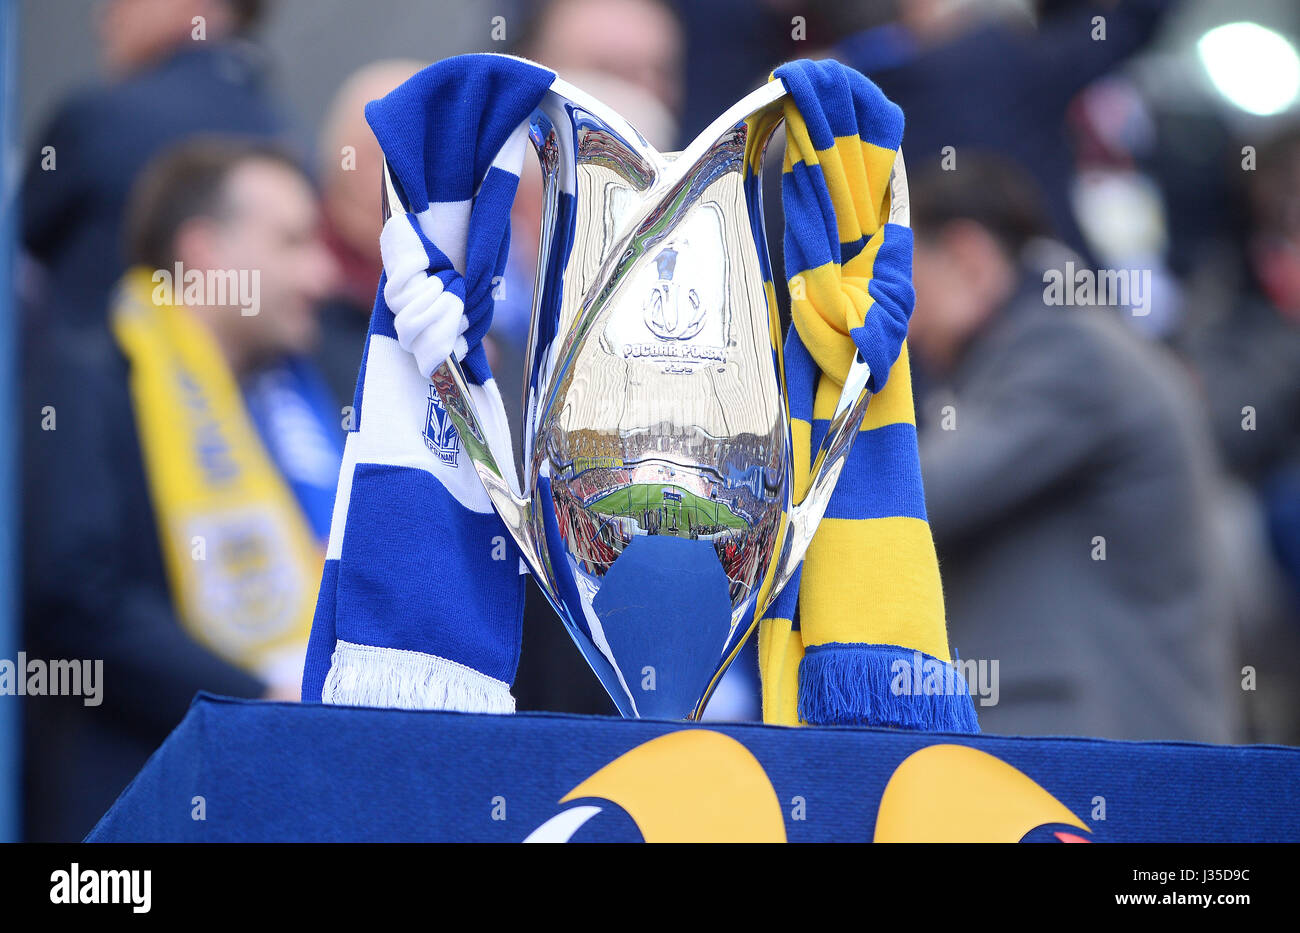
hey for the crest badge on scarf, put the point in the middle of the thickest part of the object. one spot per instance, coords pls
(440, 433)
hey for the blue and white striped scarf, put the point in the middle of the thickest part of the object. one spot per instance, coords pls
(421, 599)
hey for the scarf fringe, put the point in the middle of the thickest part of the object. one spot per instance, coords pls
(363, 675)
(855, 685)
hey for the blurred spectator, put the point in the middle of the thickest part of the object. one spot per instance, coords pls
(1120, 207)
(180, 487)
(1069, 484)
(731, 48)
(1249, 353)
(1245, 345)
(639, 41)
(969, 76)
(350, 167)
(170, 78)
(733, 45)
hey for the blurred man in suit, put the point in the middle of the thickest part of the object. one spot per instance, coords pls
(1068, 476)
(178, 488)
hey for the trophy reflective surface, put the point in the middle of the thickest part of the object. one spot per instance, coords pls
(656, 504)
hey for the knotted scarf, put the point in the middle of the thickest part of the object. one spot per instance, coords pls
(858, 636)
(421, 599)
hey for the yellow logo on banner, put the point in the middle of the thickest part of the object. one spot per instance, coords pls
(697, 785)
(691, 786)
(955, 793)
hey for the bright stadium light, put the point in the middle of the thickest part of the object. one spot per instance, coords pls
(1254, 67)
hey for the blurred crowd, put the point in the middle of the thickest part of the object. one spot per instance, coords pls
(1113, 482)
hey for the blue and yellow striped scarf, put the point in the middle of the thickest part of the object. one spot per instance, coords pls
(868, 597)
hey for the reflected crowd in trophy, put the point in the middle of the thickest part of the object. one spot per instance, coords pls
(1105, 478)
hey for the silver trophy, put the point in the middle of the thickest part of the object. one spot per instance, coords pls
(656, 506)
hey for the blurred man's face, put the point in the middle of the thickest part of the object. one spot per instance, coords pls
(270, 223)
(353, 198)
(1274, 249)
(351, 187)
(636, 40)
(961, 276)
(136, 33)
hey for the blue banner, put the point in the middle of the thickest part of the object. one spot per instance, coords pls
(238, 770)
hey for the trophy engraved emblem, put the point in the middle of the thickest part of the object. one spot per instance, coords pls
(664, 314)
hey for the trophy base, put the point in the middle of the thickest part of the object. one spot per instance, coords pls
(665, 614)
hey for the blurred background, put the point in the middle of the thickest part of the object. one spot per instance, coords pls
(1106, 343)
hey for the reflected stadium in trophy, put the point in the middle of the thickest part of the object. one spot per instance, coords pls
(656, 508)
